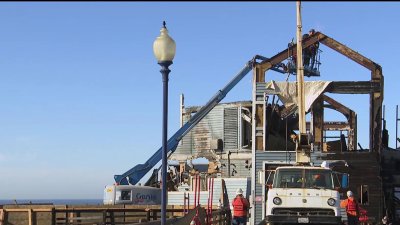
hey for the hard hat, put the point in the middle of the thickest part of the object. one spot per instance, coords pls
(239, 191)
(325, 164)
(349, 194)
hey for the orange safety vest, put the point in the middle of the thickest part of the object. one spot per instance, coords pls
(351, 207)
(240, 206)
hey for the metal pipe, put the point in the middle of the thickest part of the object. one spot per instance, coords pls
(208, 200)
(195, 190)
(212, 195)
(229, 163)
(184, 203)
(198, 190)
(182, 108)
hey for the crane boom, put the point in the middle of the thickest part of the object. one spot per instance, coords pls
(135, 174)
(303, 147)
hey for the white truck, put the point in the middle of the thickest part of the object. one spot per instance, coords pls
(304, 194)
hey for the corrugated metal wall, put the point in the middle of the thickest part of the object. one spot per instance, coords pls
(237, 165)
(198, 139)
(221, 123)
(231, 129)
(232, 184)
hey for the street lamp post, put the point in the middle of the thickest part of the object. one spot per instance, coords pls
(164, 48)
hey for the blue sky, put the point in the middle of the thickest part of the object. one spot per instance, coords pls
(81, 92)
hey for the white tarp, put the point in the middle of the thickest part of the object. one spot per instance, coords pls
(287, 92)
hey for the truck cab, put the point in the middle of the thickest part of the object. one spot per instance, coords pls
(304, 194)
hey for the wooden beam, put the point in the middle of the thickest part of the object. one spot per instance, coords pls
(285, 54)
(353, 87)
(348, 52)
(333, 126)
(329, 42)
(317, 114)
(337, 106)
(376, 101)
(353, 132)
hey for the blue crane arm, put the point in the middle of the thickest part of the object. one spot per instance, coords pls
(135, 174)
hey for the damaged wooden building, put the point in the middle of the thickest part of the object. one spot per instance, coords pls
(239, 139)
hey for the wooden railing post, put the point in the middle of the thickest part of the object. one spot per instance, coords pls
(112, 218)
(155, 215)
(104, 217)
(2, 222)
(30, 217)
(66, 215)
(70, 218)
(78, 214)
(148, 215)
(53, 216)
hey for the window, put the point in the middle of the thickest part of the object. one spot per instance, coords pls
(125, 195)
(340, 180)
(364, 197)
(303, 178)
(288, 178)
(318, 178)
(269, 177)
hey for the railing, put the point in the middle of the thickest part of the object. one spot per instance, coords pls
(98, 215)
(221, 217)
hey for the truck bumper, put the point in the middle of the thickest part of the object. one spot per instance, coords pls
(282, 219)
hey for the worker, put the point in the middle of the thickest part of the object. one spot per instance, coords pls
(240, 206)
(306, 53)
(313, 49)
(318, 180)
(352, 208)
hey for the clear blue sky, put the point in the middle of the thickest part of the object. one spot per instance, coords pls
(81, 92)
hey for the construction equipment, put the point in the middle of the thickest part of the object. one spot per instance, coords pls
(135, 174)
(303, 193)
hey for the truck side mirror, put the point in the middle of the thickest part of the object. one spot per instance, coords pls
(345, 181)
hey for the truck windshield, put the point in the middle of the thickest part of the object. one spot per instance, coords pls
(303, 178)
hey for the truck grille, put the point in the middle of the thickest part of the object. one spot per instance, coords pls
(303, 212)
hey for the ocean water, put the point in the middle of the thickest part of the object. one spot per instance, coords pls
(52, 201)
